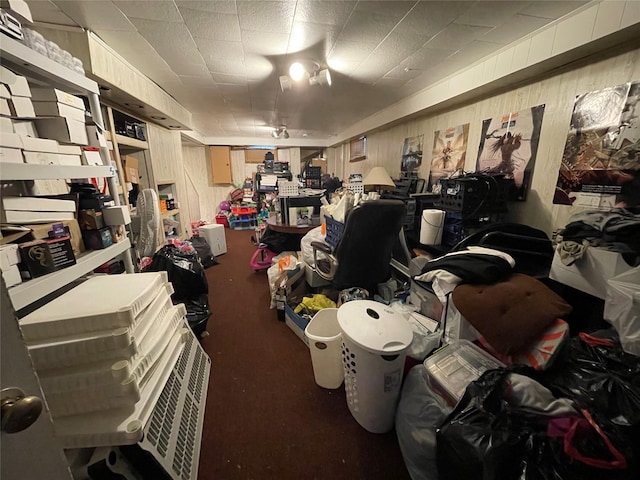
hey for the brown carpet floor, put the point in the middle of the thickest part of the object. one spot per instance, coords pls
(265, 416)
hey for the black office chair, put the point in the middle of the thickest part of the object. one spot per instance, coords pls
(362, 256)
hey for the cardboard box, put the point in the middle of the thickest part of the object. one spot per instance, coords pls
(41, 257)
(97, 239)
(90, 219)
(62, 130)
(4, 107)
(6, 125)
(95, 136)
(7, 76)
(25, 128)
(33, 144)
(69, 160)
(11, 155)
(12, 276)
(9, 256)
(43, 94)
(55, 109)
(590, 273)
(72, 228)
(10, 140)
(41, 158)
(19, 87)
(70, 150)
(130, 166)
(118, 215)
(21, 107)
(4, 91)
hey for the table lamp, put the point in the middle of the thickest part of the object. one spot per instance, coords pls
(379, 179)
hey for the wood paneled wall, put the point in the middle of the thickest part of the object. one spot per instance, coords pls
(557, 92)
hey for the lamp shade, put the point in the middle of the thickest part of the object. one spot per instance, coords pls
(378, 176)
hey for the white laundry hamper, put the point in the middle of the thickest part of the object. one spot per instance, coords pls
(324, 335)
(374, 345)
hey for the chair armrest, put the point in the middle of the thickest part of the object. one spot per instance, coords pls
(323, 247)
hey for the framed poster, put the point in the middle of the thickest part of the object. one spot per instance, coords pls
(509, 145)
(600, 165)
(411, 154)
(448, 154)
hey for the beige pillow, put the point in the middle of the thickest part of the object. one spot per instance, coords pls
(510, 314)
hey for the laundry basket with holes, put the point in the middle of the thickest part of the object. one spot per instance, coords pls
(323, 333)
(374, 346)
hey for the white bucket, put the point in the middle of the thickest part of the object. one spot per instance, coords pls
(324, 335)
(431, 226)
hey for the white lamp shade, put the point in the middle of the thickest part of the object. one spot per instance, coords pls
(378, 176)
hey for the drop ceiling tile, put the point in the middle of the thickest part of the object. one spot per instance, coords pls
(631, 13)
(390, 82)
(265, 43)
(517, 27)
(45, 11)
(351, 52)
(490, 13)
(220, 78)
(219, 49)
(403, 72)
(199, 82)
(541, 45)
(215, 26)
(552, 10)
(231, 90)
(428, 18)
(456, 36)
(257, 68)
(398, 46)
(575, 30)
(313, 36)
(426, 58)
(371, 22)
(171, 40)
(212, 6)
(608, 19)
(230, 66)
(96, 15)
(326, 13)
(150, 10)
(266, 16)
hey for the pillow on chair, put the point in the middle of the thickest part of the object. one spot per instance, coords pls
(510, 314)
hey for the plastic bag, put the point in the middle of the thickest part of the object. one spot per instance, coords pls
(285, 261)
(198, 313)
(488, 437)
(184, 270)
(622, 308)
(201, 245)
(279, 242)
(420, 411)
(313, 235)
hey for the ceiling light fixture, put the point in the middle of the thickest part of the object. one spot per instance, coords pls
(299, 71)
(280, 132)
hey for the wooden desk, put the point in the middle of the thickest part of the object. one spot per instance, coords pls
(286, 228)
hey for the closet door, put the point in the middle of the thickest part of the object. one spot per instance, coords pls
(33, 452)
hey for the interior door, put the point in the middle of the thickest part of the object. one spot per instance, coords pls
(33, 452)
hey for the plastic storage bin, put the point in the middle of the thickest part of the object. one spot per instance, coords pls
(452, 368)
(324, 335)
(374, 344)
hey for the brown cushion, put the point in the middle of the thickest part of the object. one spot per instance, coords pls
(510, 314)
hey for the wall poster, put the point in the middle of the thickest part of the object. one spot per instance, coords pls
(448, 154)
(509, 145)
(601, 161)
(411, 154)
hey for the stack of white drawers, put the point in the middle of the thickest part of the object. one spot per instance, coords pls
(103, 351)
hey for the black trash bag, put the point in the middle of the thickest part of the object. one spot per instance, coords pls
(485, 438)
(184, 269)
(203, 248)
(198, 313)
(279, 242)
(599, 377)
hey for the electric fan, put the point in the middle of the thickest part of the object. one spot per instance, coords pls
(147, 223)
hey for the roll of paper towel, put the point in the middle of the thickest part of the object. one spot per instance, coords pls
(431, 227)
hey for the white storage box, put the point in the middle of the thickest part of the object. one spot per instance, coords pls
(21, 107)
(33, 144)
(11, 276)
(10, 140)
(6, 125)
(214, 234)
(43, 94)
(55, 109)
(102, 302)
(19, 87)
(11, 155)
(62, 130)
(590, 273)
(114, 216)
(41, 158)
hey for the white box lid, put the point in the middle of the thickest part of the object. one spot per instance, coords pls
(102, 302)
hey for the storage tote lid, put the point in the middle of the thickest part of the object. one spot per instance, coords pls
(374, 326)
